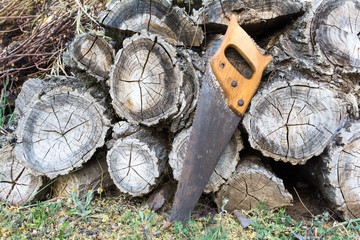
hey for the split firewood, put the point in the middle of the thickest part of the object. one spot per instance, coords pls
(293, 121)
(152, 82)
(153, 16)
(136, 162)
(223, 170)
(337, 172)
(62, 123)
(92, 176)
(92, 54)
(18, 184)
(255, 16)
(251, 184)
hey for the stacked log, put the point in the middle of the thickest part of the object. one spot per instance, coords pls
(158, 17)
(254, 16)
(18, 184)
(293, 121)
(136, 159)
(92, 54)
(62, 123)
(151, 82)
(92, 176)
(337, 173)
(252, 184)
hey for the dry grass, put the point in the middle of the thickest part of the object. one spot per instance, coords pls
(34, 33)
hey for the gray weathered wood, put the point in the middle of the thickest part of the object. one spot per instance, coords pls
(251, 184)
(137, 161)
(92, 54)
(294, 121)
(335, 28)
(254, 15)
(152, 81)
(338, 173)
(223, 170)
(62, 124)
(18, 184)
(92, 176)
(152, 16)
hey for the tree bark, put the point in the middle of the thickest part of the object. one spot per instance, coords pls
(62, 124)
(337, 172)
(92, 54)
(251, 184)
(152, 82)
(223, 170)
(18, 184)
(257, 17)
(293, 121)
(137, 161)
(153, 16)
(93, 176)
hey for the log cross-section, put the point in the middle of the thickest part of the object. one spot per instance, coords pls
(293, 121)
(136, 162)
(146, 83)
(336, 27)
(339, 172)
(257, 16)
(153, 16)
(251, 184)
(92, 54)
(18, 184)
(60, 129)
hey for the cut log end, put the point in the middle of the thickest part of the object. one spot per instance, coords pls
(251, 184)
(92, 54)
(336, 29)
(293, 122)
(155, 17)
(61, 129)
(339, 173)
(18, 184)
(147, 85)
(257, 17)
(136, 163)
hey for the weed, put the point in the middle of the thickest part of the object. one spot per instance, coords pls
(4, 107)
(81, 206)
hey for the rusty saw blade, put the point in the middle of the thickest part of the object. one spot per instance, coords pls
(224, 96)
(213, 127)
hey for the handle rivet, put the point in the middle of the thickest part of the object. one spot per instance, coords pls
(222, 64)
(241, 102)
(234, 83)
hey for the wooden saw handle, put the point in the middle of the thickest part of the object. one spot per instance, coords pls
(238, 89)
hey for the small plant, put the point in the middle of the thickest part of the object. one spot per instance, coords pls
(81, 206)
(4, 104)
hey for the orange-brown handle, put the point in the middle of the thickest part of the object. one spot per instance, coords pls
(239, 94)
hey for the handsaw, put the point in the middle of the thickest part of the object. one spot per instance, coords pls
(224, 97)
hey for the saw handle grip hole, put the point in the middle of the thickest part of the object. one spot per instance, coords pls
(238, 62)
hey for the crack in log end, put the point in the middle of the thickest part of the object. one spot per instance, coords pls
(312, 116)
(155, 17)
(145, 84)
(335, 28)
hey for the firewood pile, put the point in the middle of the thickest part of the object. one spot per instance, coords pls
(125, 117)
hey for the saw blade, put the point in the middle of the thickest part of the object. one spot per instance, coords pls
(213, 127)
